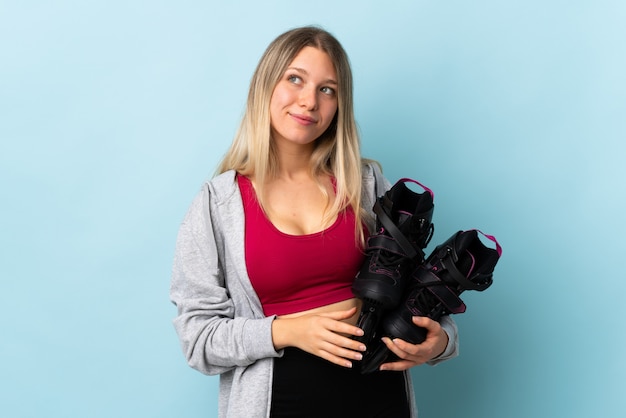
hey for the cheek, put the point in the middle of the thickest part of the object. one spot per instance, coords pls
(274, 109)
(330, 114)
(334, 112)
(280, 98)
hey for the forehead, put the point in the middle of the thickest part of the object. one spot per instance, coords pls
(314, 61)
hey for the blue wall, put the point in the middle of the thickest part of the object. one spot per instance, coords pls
(112, 113)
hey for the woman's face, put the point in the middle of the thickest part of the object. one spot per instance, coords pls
(304, 101)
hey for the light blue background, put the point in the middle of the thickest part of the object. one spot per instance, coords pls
(112, 113)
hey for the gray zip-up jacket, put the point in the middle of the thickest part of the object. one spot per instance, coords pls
(220, 320)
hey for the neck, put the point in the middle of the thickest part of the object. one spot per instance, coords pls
(294, 160)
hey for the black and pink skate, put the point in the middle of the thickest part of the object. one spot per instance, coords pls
(404, 228)
(461, 263)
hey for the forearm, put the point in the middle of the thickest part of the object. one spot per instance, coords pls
(282, 334)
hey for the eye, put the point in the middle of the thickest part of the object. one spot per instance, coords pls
(328, 90)
(292, 78)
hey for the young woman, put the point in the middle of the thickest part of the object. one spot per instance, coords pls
(267, 253)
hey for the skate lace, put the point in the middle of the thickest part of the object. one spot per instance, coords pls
(387, 258)
(420, 236)
(424, 303)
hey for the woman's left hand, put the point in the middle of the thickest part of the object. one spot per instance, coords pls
(410, 355)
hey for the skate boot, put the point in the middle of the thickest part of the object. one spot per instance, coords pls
(404, 228)
(461, 263)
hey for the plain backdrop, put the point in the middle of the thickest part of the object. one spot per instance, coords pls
(113, 113)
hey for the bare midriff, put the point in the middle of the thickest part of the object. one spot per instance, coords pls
(344, 305)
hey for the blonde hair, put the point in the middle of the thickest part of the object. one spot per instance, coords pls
(337, 151)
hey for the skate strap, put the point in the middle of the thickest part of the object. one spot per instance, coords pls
(384, 242)
(393, 230)
(406, 179)
(492, 238)
(441, 291)
(449, 265)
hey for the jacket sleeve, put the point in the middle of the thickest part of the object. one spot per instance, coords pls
(213, 338)
(452, 349)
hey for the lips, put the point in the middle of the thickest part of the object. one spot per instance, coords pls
(303, 119)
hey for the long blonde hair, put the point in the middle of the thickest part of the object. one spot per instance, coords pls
(337, 151)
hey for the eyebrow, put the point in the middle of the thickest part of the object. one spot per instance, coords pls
(305, 72)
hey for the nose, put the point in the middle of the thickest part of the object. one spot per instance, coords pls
(308, 98)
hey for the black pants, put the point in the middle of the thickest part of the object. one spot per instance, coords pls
(307, 386)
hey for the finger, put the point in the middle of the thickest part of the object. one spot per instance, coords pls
(339, 315)
(339, 361)
(425, 322)
(401, 348)
(337, 326)
(341, 341)
(408, 354)
(436, 338)
(339, 355)
(347, 329)
(398, 365)
(345, 353)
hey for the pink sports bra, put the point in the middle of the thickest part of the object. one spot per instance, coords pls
(294, 273)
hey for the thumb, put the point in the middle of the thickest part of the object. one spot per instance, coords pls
(423, 321)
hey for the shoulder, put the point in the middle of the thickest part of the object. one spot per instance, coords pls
(373, 179)
(368, 172)
(373, 184)
(222, 187)
(214, 193)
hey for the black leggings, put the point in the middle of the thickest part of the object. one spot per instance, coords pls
(308, 386)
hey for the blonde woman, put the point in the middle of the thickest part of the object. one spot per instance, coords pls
(267, 253)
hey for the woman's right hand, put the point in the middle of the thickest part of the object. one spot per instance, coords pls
(325, 335)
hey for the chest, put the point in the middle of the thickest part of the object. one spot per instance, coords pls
(299, 208)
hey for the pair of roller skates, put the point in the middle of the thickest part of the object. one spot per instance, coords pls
(396, 281)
